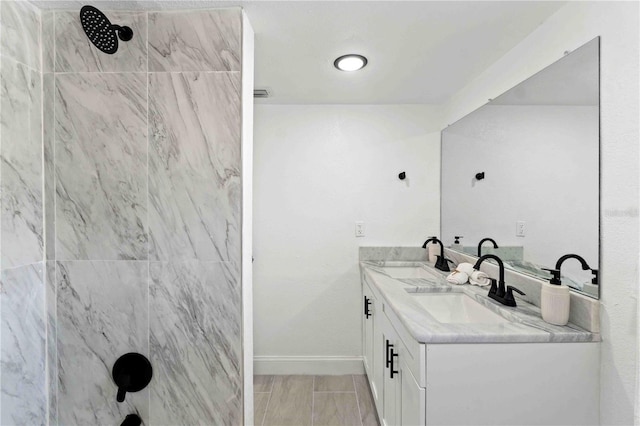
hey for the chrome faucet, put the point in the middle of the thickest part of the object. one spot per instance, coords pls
(495, 245)
(441, 262)
(497, 291)
(585, 267)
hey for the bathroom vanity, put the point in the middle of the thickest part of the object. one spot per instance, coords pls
(437, 354)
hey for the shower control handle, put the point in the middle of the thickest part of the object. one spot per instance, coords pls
(132, 372)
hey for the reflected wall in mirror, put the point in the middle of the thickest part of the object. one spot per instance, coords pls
(538, 145)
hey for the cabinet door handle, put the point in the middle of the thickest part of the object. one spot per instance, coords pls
(392, 371)
(367, 302)
(386, 351)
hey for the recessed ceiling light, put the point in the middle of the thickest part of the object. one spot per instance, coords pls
(351, 62)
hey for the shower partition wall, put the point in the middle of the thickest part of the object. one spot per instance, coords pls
(121, 217)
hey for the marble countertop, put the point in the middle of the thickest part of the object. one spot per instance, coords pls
(526, 324)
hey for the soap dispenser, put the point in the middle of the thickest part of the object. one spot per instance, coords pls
(456, 244)
(554, 300)
(434, 251)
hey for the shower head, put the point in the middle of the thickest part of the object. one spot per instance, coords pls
(101, 32)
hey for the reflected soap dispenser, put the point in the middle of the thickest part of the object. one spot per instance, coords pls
(456, 244)
(555, 300)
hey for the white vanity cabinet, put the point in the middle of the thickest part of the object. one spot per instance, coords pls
(475, 383)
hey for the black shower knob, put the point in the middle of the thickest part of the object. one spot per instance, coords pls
(132, 372)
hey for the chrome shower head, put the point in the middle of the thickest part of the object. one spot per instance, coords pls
(101, 32)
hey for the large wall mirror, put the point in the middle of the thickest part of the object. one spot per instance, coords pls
(538, 146)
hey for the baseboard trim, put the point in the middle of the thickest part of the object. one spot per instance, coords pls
(321, 365)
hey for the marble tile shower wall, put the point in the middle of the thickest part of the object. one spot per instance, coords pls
(23, 327)
(140, 192)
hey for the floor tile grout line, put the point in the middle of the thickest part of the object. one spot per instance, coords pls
(313, 398)
(334, 391)
(266, 408)
(357, 399)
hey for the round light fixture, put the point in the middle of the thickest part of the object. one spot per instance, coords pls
(351, 62)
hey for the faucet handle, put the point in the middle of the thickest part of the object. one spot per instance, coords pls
(509, 300)
(494, 286)
(555, 279)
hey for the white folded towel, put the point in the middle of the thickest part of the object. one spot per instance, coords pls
(467, 268)
(479, 278)
(457, 277)
(461, 274)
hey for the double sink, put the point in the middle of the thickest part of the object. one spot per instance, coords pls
(444, 307)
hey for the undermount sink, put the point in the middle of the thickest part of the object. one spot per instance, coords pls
(409, 272)
(457, 308)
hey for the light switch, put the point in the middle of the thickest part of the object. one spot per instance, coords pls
(359, 229)
(520, 228)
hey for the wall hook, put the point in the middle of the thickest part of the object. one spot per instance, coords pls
(402, 176)
(480, 175)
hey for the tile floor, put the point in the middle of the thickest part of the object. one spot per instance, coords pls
(313, 401)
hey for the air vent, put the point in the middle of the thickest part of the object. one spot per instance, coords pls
(261, 93)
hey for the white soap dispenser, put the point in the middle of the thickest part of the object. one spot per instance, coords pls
(434, 250)
(555, 300)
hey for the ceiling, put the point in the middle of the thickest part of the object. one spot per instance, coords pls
(419, 52)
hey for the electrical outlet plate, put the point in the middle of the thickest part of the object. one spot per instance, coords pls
(359, 229)
(520, 228)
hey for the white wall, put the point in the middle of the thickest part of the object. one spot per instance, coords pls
(318, 169)
(541, 167)
(573, 25)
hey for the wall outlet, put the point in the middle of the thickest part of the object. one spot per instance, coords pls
(520, 228)
(359, 229)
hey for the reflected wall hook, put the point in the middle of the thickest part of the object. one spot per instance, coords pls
(480, 175)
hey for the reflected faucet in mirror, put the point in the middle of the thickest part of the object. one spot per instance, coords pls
(495, 245)
(555, 279)
(497, 291)
(442, 263)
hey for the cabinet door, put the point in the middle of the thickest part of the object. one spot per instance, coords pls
(412, 398)
(404, 400)
(372, 348)
(367, 319)
(392, 379)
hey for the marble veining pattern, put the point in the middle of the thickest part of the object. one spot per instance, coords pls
(195, 40)
(48, 100)
(526, 323)
(20, 32)
(393, 253)
(52, 339)
(74, 52)
(101, 166)
(22, 365)
(195, 339)
(21, 153)
(48, 40)
(102, 311)
(194, 166)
